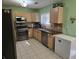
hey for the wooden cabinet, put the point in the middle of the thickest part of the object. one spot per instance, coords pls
(51, 41)
(28, 16)
(30, 33)
(35, 33)
(35, 17)
(56, 15)
(39, 35)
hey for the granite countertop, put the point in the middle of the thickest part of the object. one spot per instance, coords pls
(48, 31)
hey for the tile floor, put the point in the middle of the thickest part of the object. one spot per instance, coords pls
(32, 49)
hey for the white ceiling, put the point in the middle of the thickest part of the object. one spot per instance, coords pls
(41, 3)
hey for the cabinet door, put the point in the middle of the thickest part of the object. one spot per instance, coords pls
(30, 31)
(39, 36)
(29, 17)
(55, 14)
(35, 34)
(51, 41)
(35, 17)
(60, 15)
(51, 15)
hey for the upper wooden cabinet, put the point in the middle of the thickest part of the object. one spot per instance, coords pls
(35, 17)
(27, 16)
(30, 17)
(56, 15)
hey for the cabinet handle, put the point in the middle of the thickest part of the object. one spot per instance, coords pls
(59, 40)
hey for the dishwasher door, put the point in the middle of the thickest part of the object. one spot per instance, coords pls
(62, 48)
(45, 38)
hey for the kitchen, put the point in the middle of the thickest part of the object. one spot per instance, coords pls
(40, 30)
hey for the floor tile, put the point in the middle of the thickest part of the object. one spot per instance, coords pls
(32, 49)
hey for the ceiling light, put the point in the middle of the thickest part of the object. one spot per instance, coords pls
(26, 1)
(36, 2)
(24, 4)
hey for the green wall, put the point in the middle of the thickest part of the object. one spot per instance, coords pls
(45, 9)
(69, 12)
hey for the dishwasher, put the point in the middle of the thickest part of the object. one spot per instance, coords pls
(44, 38)
(65, 46)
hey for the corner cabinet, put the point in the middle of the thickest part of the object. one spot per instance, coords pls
(56, 15)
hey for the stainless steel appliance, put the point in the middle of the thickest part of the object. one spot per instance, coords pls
(21, 28)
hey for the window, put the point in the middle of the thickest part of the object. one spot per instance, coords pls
(45, 18)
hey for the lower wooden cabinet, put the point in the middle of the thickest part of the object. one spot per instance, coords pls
(48, 40)
(35, 33)
(39, 36)
(30, 33)
(51, 41)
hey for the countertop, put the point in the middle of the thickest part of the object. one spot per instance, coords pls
(47, 31)
(65, 37)
(52, 32)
